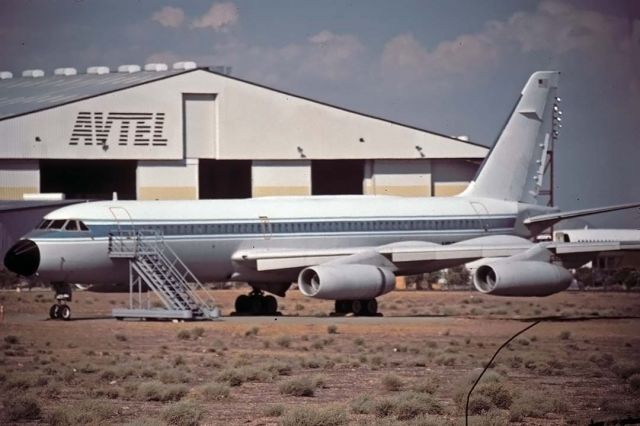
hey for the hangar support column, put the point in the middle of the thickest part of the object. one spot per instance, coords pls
(281, 178)
(167, 180)
(18, 177)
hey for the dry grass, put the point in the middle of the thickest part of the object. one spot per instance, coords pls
(234, 371)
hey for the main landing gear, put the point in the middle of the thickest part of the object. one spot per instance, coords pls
(362, 308)
(60, 310)
(256, 303)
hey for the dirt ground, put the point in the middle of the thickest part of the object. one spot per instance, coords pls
(414, 365)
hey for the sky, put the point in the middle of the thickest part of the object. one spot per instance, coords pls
(454, 67)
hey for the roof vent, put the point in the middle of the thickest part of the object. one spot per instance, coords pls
(129, 68)
(5, 75)
(33, 73)
(65, 71)
(188, 65)
(98, 70)
(156, 67)
(463, 138)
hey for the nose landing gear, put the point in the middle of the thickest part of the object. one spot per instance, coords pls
(60, 310)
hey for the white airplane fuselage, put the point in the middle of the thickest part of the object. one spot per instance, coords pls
(207, 233)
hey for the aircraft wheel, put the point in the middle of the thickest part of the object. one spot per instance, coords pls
(242, 304)
(65, 312)
(54, 312)
(342, 306)
(371, 306)
(270, 305)
(255, 305)
(358, 308)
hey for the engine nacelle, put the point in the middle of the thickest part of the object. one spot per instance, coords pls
(345, 282)
(521, 278)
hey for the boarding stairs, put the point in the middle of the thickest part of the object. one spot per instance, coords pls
(154, 264)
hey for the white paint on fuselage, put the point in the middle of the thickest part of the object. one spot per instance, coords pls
(86, 259)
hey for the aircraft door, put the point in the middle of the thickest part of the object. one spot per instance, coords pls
(265, 226)
(481, 211)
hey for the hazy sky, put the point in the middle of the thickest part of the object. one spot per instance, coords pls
(454, 67)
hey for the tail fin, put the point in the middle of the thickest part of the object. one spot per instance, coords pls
(514, 167)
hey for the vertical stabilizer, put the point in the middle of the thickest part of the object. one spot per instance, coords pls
(514, 167)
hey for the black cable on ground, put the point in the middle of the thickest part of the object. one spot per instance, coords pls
(466, 408)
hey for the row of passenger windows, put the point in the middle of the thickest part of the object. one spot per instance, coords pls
(306, 227)
(63, 225)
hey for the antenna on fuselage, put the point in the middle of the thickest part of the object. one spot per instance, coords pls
(114, 196)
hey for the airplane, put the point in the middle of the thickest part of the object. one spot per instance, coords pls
(343, 248)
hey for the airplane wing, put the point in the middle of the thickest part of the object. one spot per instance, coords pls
(542, 222)
(407, 254)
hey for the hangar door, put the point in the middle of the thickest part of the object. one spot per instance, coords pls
(220, 179)
(337, 177)
(93, 179)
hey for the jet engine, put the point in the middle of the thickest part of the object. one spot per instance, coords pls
(521, 278)
(345, 282)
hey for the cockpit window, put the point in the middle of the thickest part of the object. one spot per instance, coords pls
(44, 224)
(57, 224)
(72, 225)
(83, 227)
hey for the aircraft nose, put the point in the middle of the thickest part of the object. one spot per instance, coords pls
(23, 258)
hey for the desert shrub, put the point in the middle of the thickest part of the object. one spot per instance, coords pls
(110, 392)
(121, 337)
(197, 332)
(498, 393)
(253, 331)
(84, 412)
(392, 382)
(363, 404)
(215, 391)
(183, 414)
(332, 329)
(20, 383)
(479, 404)
(534, 405)
(158, 391)
(407, 405)
(358, 341)
(283, 341)
(232, 376)
(174, 376)
(565, 335)
(306, 416)
(11, 340)
(179, 360)
(279, 368)
(425, 386)
(626, 369)
(297, 387)
(184, 335)
(22, 408)
(274, 410)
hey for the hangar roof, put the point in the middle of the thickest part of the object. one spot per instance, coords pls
(23, 95)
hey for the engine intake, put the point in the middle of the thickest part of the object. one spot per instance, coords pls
(345, 282)
(521, 278)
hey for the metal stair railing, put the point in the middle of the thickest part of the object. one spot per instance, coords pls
(157, 264)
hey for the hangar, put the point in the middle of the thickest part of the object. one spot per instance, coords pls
(189, 132)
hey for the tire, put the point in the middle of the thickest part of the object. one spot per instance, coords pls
(242, 304)
(342, 306)
(54, 312)
(65, 312)
(371, 306)
(270, 305)
(358, 308)
(255, 305)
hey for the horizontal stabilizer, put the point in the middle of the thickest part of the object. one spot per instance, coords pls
(541, 222)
